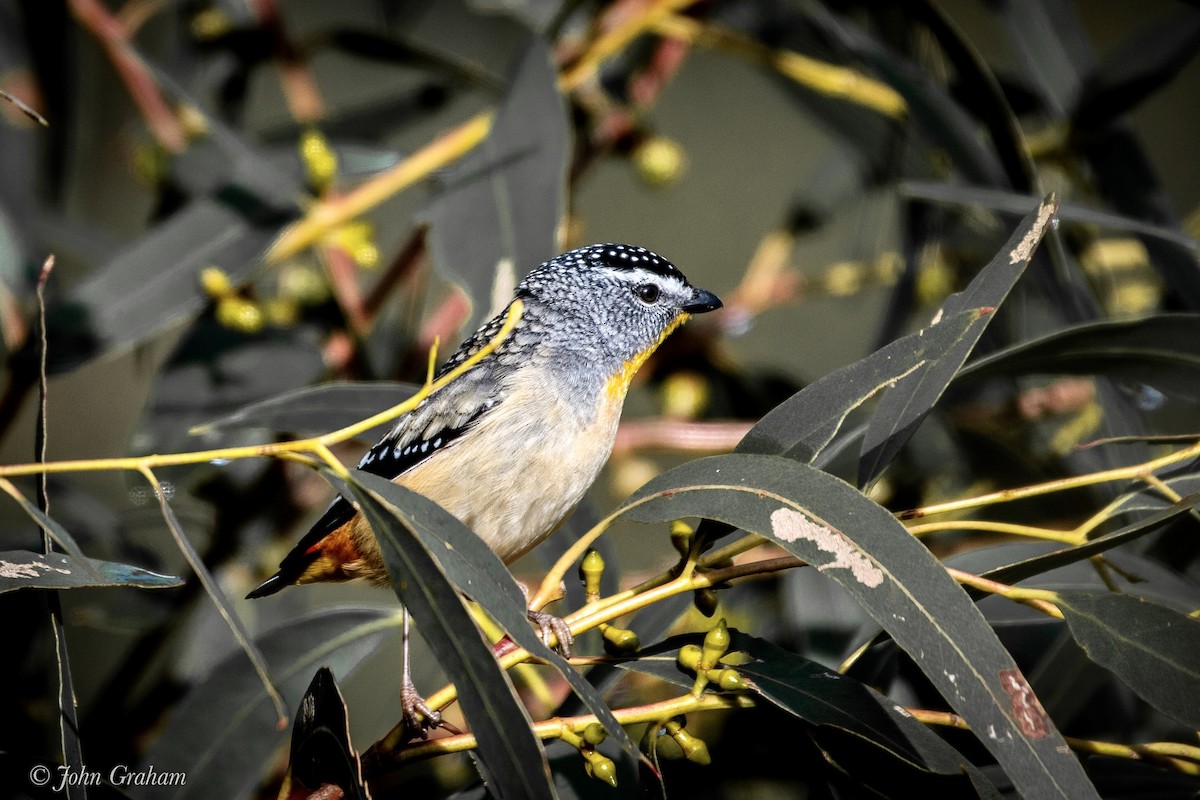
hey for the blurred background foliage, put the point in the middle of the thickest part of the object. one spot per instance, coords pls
(249, 197)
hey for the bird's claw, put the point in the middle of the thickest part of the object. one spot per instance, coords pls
(419, 718)
(550, 625)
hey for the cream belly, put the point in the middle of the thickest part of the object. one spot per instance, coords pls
(536, 461)
(532, 459)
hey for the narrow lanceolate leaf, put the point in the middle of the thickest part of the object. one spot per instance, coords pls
(473, 567)
(313, 410)
(1019, 571)
(901, 410)
(1016, 203)
(223, 735)
(24, 569)
(509, 755)
(153, 284)
(322, 753)
(897, 581)
(1154, 649)
(802, 426)
(818, 696)
(498, 211)
(1162, 351)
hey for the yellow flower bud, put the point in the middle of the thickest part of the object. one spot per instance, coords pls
(659, 161)
(215, 282)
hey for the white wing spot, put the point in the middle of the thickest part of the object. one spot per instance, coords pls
(791, 526)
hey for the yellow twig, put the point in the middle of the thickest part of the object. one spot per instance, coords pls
(1182, 757)
(552, 728)
(1030, 531)
(1141, 472)
(318, 445)
(1041, 599)
(832, 80)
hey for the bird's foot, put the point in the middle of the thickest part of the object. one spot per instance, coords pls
(550, 625)
(419, 718)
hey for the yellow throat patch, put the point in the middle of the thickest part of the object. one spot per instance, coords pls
(618, 384)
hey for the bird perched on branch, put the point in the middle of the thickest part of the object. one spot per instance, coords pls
(511, 446)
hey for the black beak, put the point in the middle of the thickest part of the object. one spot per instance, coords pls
(702, 301)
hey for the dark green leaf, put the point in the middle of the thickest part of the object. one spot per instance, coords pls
(479, 572)
(902, 408)
(819, 696)
(1162, 351)
(315, 410)
(510, 756)
(1015, 203)
(803, 425)
(154, 283)
(898, 582)
(60, 535)
(1142, 64)
(23, 569)
(935, 113)
(496, 216)
(1027, 568)
(1154, 649)
(223, 734)
(321, 749)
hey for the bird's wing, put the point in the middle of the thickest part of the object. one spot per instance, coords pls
(417, 436)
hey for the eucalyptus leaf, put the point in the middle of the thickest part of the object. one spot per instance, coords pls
(1162, 351)
(898, 582)
(509, 755)
(1154, 649)
(806, 423)
(321, 751)
(1009, 202)
(315, 410)
(1140, 65)
(154, 282)
(497, 213)
(903, 407)
(223, 734)
(478, 571)
(23, 569)
(818, 696)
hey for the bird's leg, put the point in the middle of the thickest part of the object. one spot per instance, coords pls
(418, 717)
(549, 624)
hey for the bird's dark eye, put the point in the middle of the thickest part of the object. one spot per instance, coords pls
(647, 292)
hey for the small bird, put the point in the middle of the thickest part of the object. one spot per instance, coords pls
(511, 446)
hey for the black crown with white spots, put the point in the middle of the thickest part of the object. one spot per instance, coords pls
(615, 256)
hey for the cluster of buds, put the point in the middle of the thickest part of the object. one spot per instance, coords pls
(672, 740)
(704, 663)
(617, 641)
(598, 765)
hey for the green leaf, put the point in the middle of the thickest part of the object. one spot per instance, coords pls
(153, 283)
(903, 407)
(472, 566)
(819, 696)
(1162, 351)
(314, 410)
(802, 426)
(223, 734)
(321, 749)
(897, 581)
(1139, 66)
(1016, 203)
(509, 755)
(1012, 573)
(1154, 649)
(23, 569)
(498, 212)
